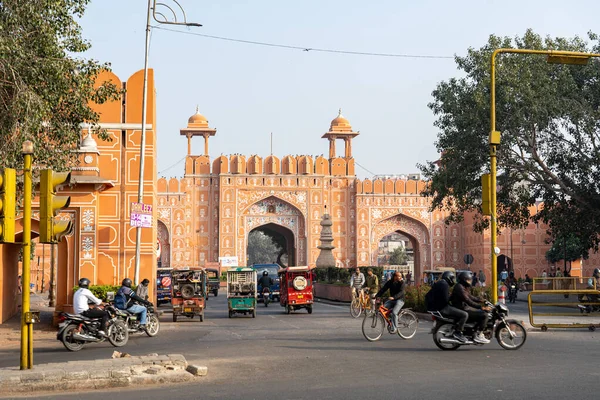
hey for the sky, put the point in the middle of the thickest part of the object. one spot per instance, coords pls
(248, 91)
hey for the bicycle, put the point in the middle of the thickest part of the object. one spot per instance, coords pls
(360, 303)
(374, 324)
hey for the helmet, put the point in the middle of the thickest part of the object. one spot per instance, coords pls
(597, 272)
(512, 274)
(449, 277)
(265, 273)
(465, 278)
(84, 283)
(126, 282)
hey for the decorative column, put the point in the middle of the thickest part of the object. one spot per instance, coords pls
(326, 258)
(331, 148)
(206, 144)
(189, 138)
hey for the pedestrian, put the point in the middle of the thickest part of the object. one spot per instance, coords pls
(425, 278)
(481, 278)
(408, 278)
(142, 289)
(475, 281)
(431, 279)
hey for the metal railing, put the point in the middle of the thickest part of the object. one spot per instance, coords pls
(569, 308)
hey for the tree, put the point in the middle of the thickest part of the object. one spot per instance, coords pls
(45, 90)
(549, 117)
(398, 256)
(262, 249)
(566, 248)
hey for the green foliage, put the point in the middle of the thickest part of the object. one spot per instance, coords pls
(548, 115)
(262, 248)
(45, 86)
(414, 297)
(335, 275)
(399, 256)
(567, 248)
(100, 290)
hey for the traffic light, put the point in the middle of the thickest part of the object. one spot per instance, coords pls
(52, 231)
(486, 204)
(8, 199)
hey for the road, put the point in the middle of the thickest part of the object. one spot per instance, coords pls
(324, 356)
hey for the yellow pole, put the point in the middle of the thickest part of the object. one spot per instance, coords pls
(494, 141)
(26, 329)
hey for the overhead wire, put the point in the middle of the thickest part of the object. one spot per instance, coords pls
(304, 48)
(174, 165)
(372, 173)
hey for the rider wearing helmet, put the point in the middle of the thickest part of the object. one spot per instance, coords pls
(125, 300)
(82, 297)
(595, 285)
(438, 299)
(265, 281)
(461, 298)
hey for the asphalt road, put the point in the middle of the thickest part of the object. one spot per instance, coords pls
(324, 356)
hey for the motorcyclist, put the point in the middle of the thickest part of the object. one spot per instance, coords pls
(82, 297)
(395, 302)
(438, 299)
(265, 281)
(461, 298)
(595, 285)
(125, 300)
(511, 280)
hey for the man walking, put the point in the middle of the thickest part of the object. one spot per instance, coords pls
(481, 278)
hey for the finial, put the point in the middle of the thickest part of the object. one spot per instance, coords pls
(340, 112)
(197, 109)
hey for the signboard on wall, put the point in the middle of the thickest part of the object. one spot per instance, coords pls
(228, 261)
(140, 215)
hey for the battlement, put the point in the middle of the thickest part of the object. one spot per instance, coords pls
(390, 186)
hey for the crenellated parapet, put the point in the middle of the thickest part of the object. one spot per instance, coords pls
(390, 186)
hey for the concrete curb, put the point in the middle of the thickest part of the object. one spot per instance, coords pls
(98, 374)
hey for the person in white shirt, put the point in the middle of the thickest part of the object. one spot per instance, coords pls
(82, 297)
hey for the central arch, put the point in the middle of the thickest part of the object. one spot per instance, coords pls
(278, 219)
(283, 238)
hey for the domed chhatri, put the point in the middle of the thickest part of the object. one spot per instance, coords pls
(340, 122)
(197, 120)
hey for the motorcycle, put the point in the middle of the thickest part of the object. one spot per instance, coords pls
(510, 334)
(74, 330)
(588, 308)
(133, 324)
(266, 296)
(512, 293)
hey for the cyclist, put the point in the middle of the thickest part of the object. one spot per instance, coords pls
(357, 281)
(462, 299)
(372, 282)
(438, 299)
(395, 301)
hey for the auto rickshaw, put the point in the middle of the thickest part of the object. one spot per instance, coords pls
(188, 293)
(241, 291)
(214, 281)
(296, 288)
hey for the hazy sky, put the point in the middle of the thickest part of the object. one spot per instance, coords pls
(247, 91)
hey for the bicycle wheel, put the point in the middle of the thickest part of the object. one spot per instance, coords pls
(407, 324)
(373, 326)
(355, 308)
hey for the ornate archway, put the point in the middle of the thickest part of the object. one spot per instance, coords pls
(413, 229)
(276, 215)
(164, 242)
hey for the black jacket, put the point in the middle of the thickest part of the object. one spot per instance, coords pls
(396, 289)
(461, 298)
(439, 296)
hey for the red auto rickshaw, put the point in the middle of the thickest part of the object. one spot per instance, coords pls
(296, 288)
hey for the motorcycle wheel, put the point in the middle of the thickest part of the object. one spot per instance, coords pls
(504, 339)
(373, 327)
(355, 308)
(68, 341)
(153, 325)
(441, 331)
(309, 309)
(118, 334)
(266, 302)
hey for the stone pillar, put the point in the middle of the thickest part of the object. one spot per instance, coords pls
(189, 138)
(331, 148)
(348, 147)
(326, 258)
(206, 145)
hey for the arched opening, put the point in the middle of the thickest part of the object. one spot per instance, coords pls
(398, 248)
(164, 246)
(271, 243)
(505, 263)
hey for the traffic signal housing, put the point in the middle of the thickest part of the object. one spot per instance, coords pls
(51, 230)
(8, 200)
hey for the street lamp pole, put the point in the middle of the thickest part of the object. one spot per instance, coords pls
(151, 14)
(554, 57)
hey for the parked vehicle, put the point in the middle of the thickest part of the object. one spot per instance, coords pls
(510, 333)
(296, 290)
(272, 269)
(163, 285)
(188, 293)
(133, 323)
(241, 291)
(214, 281)
(75, 330)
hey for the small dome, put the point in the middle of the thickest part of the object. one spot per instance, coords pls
(198, 119)
(340, 121)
